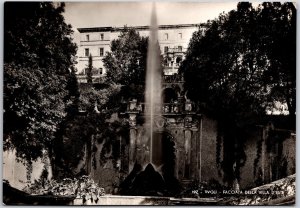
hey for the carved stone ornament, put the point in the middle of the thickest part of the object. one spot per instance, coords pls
(132, 120)
(160, 122)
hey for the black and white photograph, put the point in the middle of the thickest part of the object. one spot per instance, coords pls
(149, 103)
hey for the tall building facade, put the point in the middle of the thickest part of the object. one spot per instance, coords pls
(173, 41)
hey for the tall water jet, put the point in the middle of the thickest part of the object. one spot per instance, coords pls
(153, 80)
(153, 151)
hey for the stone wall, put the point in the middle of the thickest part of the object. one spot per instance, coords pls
(208, 162)
(15, 171)
(270, 156)
(196, 151)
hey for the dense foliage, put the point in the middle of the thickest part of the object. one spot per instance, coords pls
(40, 86)
(238, 67)
(79, 136)
(83, 187)
(98, 125)
(89, 71)
(126, 63)
(247, 56)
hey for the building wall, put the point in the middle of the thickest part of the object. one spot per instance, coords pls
(93, 45)
(169, 36)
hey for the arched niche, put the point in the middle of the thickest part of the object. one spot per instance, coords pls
(169, 95)
(163, 152)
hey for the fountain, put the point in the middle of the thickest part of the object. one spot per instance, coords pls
(152, 173)
(153, 81)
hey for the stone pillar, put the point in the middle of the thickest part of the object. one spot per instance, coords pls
(180, 162)
(187, 151)
(132, 139)
(176, 162)
(132, 148)
(199, 147)
(263, 137)
(194, 148)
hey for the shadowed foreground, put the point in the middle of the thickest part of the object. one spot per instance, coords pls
(149, 182)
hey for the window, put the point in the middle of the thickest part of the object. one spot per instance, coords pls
(86, 52)
(166, 36)
(101, 36)
(87, 37)
(179, 35)
(165, 62)
(178, 60)
(166, 49)
(95, 72)
(100, 71)
(101, 52)
(180, 48)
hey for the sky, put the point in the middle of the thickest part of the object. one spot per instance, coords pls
(118, 14)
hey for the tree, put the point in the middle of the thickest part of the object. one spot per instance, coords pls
(89, 70)
(126, 63)
(39, 77)
(279, 43)
(78, 133)
(235, 71)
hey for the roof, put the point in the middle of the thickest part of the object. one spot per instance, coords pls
(113, 29)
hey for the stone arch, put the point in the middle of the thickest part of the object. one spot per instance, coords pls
(169, 94)
(164, 153)
(178, 89)
(178, 59)
(161, 125)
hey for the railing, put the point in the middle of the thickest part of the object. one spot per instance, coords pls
(165, 108)
(95, 78)
(82, 78)
(173, 78)
(100, 78)
(176, 50)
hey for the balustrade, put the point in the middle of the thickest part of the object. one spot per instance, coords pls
(173, 78)
(165, 108)
(95, 78)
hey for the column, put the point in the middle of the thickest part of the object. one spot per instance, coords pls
(132, 148)
(132, 139)
(194, 148)
(187, 151)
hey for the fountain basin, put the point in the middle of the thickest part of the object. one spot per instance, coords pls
(146, 200)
